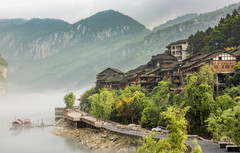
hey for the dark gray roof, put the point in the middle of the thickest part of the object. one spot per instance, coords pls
(236, 53)
(177, 42)
(163, 56)
(172, 66)
(113, 69)
(137, 70)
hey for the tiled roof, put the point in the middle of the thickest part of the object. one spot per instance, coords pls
(163, 56)
(236, 52)
(137, 70)
(177, 42)
(113, 69)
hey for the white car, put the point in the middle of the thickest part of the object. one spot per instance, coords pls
(157, 129)
(160, 129)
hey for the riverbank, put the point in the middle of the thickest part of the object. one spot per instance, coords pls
(97, 140)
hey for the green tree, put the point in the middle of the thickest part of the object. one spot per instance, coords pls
(69, 100)
(177, 125)
(101, 104)
(214, 124)
(160, 93)
(151, 115)
(152, 146)
(236, 77)
(199, 96)
(197, 148)
(226, 123)
(233, 92)
(84, 101)
(224, 102)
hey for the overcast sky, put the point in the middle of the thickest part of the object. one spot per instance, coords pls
(148, 12)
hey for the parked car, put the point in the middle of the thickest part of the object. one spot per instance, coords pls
(160, 129)
(157, 129)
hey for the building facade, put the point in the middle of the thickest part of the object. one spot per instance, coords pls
(178, 49)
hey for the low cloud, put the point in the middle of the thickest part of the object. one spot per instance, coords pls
(148, 12)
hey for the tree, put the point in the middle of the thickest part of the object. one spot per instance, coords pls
(151, 115)
(132, 107)
(177, 125)
(231, 124)
(152, 146)
(233, 92)
(235, 79)
(69, 100)
(226, 123)
(199, 96)
(160, 93)
(224, 102)
(84, 101)
(101, 104)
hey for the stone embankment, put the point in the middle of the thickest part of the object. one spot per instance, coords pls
(98, 140)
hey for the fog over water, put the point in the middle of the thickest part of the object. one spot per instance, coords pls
(35, 106)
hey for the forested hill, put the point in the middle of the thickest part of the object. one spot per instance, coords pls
(226, 35)
(175, 21)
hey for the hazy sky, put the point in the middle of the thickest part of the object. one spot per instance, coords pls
(148, 12)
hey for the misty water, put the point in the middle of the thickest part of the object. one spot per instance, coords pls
(35, 140)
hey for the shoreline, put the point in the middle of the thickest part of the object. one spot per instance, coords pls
(97, 140)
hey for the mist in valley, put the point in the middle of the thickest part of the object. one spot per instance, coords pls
(36, 106)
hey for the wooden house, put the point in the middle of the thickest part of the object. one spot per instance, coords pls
(104, 77)
(109, 71)
(161, 60)
(150, 79)
(223, 62)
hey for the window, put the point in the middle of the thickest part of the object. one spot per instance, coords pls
(173, 53)
(222, 67)
(227, 66)
(215, 66)
(219, 58)
(173, 47)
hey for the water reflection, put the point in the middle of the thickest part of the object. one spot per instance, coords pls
(33, 140)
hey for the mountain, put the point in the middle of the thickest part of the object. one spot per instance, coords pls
(50, 53)
(176, 21)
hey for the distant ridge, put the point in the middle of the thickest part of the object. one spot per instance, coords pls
(175, 21)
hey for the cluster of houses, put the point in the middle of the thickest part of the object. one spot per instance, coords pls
(173, 64)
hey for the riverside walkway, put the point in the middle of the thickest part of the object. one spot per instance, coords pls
(78, 116)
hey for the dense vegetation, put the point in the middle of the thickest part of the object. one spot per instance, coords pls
(225, 35)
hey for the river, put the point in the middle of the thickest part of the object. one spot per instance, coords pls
(35, 140)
